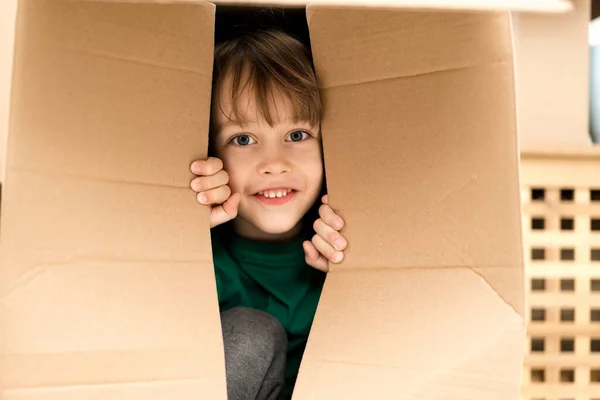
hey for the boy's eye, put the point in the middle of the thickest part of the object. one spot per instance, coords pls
(242, 140)
(298, 136)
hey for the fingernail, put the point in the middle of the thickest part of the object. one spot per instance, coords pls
(202, 198)
(337, 257)
(339, 244)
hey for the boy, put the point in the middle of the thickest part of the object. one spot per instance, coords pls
(266, 114)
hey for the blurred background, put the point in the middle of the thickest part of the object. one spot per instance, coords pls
(558, 93)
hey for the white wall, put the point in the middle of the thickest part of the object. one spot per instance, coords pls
(7, 26)
(552, 68)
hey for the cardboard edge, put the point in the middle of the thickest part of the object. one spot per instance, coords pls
(543, 7)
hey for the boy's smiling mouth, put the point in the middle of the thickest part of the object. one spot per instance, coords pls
(275, 197)
(272, 193)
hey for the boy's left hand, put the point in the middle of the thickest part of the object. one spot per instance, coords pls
(327, 244)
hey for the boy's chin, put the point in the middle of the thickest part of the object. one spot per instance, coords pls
(277, 227)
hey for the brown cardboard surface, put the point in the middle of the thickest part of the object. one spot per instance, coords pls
(106, 280)
(552, 63)
(107, 288)
(412, 334)
(431, 203)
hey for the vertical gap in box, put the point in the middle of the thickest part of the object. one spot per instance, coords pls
(232, 21)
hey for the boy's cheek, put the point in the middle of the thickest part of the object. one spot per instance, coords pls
(235, 183)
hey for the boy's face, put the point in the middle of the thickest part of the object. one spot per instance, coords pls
(277, 169)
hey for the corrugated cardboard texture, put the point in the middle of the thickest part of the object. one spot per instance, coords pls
(421, 160)
(553, 78)
(107, 289)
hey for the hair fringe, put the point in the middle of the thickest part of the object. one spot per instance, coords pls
(267, 62)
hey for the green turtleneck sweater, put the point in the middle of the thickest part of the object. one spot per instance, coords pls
(271, 277)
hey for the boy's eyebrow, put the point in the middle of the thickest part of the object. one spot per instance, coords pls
(227, 124)
(231, 123)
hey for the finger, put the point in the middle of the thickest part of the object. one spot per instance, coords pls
(214, 196)
(225, 212)
(313, 258)
(330, 217)
(210, 166)
(330, 235)
(326, 250)
(325, 199)
(203, 183)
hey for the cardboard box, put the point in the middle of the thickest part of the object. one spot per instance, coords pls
(106, 278)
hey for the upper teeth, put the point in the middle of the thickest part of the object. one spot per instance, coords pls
(275, 193)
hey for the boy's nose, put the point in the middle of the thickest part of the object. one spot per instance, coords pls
(274, 166)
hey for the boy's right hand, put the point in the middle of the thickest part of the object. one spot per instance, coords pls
(212, 190)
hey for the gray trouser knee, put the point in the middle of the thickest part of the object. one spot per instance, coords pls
(255, 354)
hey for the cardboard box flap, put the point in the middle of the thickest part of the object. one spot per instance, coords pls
(107, 290)
(431, 203)
(405, 44)
(446, 138)
(91, 48)
(412, 334)
(554, 6)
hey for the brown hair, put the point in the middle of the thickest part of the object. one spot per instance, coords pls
(269, 61)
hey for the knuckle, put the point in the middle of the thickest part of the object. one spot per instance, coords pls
(316, 225)
(215, 165)
(332, 237)
(323, 209)
(198, 184)
(208, 197)
(220, 195)
(197, 167)
(315, 239)
(224, 176)
(331, 221)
